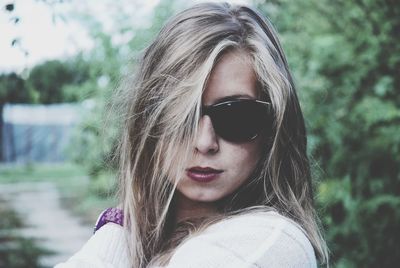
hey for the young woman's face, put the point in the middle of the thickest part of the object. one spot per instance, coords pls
(219, 167)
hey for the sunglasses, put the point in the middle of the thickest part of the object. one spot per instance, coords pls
(240, 120)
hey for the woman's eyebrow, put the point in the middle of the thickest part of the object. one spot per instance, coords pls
(234, 97)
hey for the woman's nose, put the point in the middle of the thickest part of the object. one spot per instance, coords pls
(206, 140)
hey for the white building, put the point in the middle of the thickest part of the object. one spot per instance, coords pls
(37, 133)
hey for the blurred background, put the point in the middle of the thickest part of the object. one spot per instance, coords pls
(60, 61)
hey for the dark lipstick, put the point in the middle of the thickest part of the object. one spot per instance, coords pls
(203, 174)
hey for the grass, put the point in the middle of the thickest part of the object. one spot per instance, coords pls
(42, 172)
(15, 250)
(86, 197)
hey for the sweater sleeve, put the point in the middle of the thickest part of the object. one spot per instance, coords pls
(107, 248)
(262, 240)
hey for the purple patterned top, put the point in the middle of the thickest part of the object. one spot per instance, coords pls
(114, 215)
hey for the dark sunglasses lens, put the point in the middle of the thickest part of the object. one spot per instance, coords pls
(240, 121)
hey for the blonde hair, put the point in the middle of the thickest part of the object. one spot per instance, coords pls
(162, 105)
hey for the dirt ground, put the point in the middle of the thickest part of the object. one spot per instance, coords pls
(55, 228)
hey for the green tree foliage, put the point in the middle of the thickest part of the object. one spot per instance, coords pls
(96, 138)
(48, 81)
(52, 81)
(346, 60)
(13, 89)
(51, 78)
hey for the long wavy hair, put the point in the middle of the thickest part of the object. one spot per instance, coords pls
(162, 103)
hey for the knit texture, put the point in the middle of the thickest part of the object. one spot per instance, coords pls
(253, 240)
(262, 239)
(107, 248)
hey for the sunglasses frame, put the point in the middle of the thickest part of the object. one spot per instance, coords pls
(207, 110)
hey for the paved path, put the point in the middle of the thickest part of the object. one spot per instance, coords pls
(55, 228)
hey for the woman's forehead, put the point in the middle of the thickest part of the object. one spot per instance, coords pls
(232, 76)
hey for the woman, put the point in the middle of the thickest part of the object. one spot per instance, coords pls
(213, 164)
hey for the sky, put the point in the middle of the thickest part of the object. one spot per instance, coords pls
(43, 34)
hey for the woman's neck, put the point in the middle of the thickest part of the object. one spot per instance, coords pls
(189, 209)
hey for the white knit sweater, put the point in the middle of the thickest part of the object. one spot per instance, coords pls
(256, 240)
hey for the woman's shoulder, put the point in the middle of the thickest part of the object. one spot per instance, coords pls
(262, 223)
(265, 220)
(255, 239)
(269, 229)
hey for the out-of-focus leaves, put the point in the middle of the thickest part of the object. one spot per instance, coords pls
(97, 136)
(15, 41)
(345, 59)
(9, 7)
(15, 20)
(53, 80)
(13, 89)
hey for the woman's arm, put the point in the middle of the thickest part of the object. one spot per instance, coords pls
(247, 241)
(105, 249)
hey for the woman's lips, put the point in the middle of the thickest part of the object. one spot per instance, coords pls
(203, 174)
